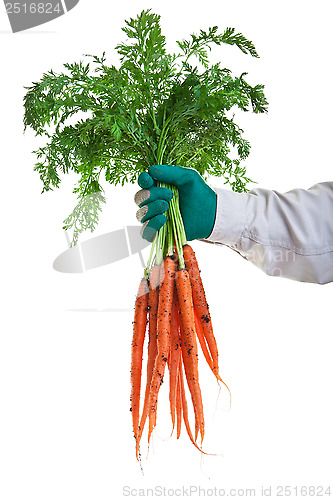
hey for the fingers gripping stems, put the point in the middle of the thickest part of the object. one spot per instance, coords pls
(151, 209)
(141, 196)
(154, 193)
(197, 201)
(153, 202)
(150, 227)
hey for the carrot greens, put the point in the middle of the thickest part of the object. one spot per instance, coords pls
(108, 123)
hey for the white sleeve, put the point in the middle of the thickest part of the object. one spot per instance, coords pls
(288, 235)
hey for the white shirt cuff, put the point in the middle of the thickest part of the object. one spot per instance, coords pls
(230, 217)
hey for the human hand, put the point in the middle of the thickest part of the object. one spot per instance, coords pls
(197, 201)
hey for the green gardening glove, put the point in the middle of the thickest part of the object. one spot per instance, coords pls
(197, 201)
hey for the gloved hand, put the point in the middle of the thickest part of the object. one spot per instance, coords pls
(197, 201)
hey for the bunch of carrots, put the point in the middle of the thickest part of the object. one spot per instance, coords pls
(155, 108)
(171, 301)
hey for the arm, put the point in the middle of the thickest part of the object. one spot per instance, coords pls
(288, 235)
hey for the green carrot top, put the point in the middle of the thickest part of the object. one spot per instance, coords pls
(104, 122)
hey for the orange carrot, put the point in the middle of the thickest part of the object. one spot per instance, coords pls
(154, 280)
(185, 410)
(179, 401)
(197, 425)
(201, 306)
(201, 310)
(139, 330)
(165, 300)
(152, 424)
(203, 344)
(175, 349)
(189, 345)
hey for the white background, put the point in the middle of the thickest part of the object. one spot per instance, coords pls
(65, 425)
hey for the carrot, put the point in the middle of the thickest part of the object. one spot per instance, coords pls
(179, 406)
(200, 305)
(203, 344)
(179, 401)
(165, 300)
(201, 310)
(152, 424)
(185, 410)
(139, 330)
(189, 345)
(175, 349)
(154, 280)
(197, 425)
